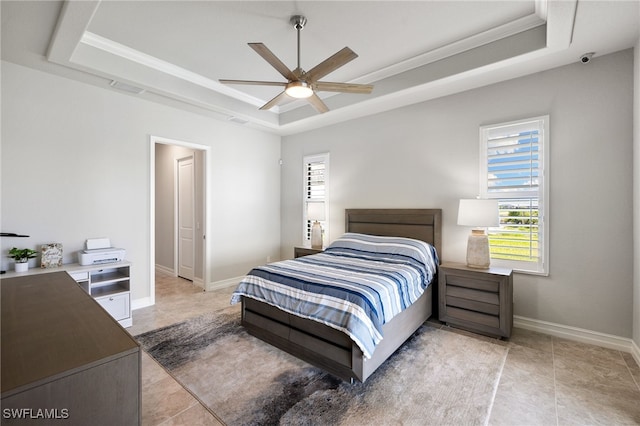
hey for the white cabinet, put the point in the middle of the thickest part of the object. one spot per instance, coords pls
(117, 305)
(110, 286)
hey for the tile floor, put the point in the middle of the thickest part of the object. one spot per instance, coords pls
(164, 401)
(545, 380)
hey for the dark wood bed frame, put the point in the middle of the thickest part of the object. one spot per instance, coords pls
(333, 350)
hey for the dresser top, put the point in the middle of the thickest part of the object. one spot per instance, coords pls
(51, 328)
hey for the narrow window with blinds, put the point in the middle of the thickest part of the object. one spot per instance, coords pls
(316, 190)
(513, 164)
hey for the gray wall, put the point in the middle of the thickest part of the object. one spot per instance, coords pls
(426, 155)
(76, 165)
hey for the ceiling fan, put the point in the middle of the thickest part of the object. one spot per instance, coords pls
(303, 84)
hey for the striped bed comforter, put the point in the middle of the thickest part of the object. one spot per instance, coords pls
(359, 283)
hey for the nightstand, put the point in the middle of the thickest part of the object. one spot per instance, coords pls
(478, 300)
(305, 251)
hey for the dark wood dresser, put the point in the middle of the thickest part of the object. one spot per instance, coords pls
(64, 358)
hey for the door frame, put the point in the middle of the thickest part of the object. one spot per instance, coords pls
(207, 163)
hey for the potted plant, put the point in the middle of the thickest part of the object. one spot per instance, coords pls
(21, 257)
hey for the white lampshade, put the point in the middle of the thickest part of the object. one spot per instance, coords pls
(478, 213)
(315, 210)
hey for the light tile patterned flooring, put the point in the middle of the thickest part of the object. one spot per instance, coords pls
(545, 380)
(164, 401)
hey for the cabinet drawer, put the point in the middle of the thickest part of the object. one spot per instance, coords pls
(480, 296)
(465, 316)
(79, 276)
(473, 305)
(473, 282)
(116, 304)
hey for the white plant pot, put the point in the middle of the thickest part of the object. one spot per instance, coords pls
(22, 267)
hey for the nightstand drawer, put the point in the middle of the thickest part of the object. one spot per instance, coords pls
(472, 317)
(473, 282)
(473, 305)
(465, 293)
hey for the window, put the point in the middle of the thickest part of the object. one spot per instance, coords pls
(315, 188)
(513, 170)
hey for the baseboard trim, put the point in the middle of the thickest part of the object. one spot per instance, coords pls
(578, 334)
(160, 268)
(216, 285)
(635, 351)
(198, 282)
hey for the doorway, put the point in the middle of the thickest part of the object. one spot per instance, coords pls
(178, 211)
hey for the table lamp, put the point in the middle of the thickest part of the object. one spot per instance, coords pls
(315, 212)
(479, 214)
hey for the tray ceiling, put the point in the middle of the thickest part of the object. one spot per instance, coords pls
(410, 51)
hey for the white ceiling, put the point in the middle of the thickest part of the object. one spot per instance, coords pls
(411, 51)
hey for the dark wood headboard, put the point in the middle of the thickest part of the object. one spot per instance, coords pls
(421, 224)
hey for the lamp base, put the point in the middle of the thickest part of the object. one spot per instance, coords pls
(316, 236)
(478, 255)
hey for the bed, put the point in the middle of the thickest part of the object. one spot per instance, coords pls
(335, 350)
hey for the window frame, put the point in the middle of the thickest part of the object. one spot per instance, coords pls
(542, 266)
(306, 230)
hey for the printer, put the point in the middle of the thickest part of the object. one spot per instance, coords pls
(99, 251)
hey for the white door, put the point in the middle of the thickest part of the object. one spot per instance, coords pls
(186, 208)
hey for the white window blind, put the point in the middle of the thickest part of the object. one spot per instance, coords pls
(513, 164)
(315, 188)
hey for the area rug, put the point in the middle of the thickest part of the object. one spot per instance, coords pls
(437, 377)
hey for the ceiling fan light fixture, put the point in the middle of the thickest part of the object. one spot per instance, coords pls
(301, 84)
(299, 90)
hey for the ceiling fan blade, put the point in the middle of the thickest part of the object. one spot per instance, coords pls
(326, 86)
(259, 83)
(317, 103)
(331, 64)
(268, 56)
(275, 101)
